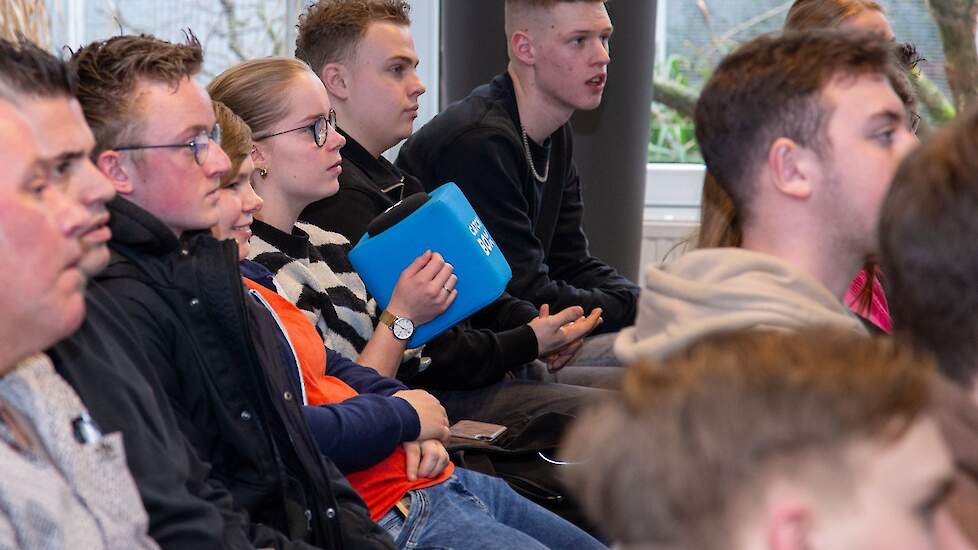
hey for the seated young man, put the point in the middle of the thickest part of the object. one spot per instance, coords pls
(212, 351)
(803, 131)
(927, 234)
(865, 296)
(64, 484)
(818, 440)
(509, 147)
(100, 360)
(364, 54)
(358, 420)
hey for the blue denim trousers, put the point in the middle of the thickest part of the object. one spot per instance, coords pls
(472, 511)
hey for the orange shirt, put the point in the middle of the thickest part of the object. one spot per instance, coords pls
(382, 485)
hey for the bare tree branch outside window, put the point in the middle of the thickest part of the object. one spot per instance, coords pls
(230, 31)
(28, 18)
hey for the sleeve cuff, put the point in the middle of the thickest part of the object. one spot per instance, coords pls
(519, 346)
(410, 422)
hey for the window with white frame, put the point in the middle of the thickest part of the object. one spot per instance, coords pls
(691, 38)
(693, 35)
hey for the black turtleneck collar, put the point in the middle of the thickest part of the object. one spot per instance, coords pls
(294, 245)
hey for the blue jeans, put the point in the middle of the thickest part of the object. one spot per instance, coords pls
(472, 511)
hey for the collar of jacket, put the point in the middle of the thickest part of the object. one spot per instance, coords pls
(379, 171)
(136, 229)
(258, 273)
(501, 88)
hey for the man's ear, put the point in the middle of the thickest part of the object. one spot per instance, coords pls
(792, 168)
(521, 48)
(110, 164)
(787, 527)
(336, 78)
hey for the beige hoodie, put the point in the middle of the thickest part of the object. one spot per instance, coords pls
(717, 290)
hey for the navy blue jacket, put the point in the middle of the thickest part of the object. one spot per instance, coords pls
(360, 431)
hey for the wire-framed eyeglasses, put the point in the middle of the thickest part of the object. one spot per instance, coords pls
(200, 144)
(320, 129)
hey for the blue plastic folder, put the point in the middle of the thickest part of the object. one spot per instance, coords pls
(446, 224)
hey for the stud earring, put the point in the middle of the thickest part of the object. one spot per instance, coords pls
(263, 172)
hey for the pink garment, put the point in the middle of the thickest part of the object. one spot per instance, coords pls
(879, 310)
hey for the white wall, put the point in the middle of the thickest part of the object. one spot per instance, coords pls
(672, 202)
(426, 30)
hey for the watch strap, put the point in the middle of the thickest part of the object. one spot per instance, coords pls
(388, 318)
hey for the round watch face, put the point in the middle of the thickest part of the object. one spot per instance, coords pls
(403, 328)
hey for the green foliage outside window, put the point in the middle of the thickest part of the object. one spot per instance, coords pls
(672, 136)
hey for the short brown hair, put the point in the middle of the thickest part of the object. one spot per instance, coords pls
(770, 87)
(330, 30)
(235, 139)
(927, 232)
(108, 71)
(674, 459)
(821, 14)
(256, 90)
(515, 9)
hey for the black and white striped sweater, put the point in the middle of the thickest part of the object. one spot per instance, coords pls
(310, 269)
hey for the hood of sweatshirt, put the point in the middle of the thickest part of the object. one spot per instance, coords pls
(716, 290)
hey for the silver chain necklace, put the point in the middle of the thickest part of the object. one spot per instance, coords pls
(529, 159)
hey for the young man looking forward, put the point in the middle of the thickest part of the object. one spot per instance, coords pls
(509, 146)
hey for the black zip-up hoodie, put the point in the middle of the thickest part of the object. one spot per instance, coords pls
(476, 142)
(216, 355)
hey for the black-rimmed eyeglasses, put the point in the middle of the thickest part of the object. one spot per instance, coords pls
(200, 144)
(320, 129)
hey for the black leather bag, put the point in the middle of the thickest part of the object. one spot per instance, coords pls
(526, 459)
